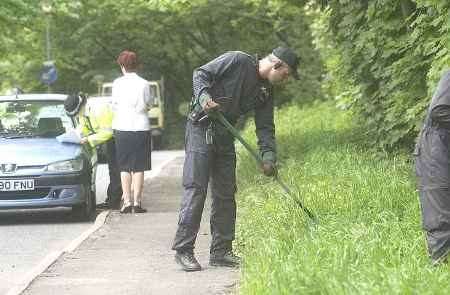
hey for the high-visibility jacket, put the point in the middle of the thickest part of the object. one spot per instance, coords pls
(95, 123)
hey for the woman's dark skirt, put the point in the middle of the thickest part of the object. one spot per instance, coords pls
(133, 150)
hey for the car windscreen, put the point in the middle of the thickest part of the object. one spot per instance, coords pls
(33, 118)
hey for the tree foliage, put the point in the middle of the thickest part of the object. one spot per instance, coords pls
(171, 38)
(384, 58)
(17, 40)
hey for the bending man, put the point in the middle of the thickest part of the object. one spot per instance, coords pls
(237, 83)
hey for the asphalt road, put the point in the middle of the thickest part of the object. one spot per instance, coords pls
(28, 236)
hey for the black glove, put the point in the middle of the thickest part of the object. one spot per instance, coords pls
(210, 106)
(269, 168)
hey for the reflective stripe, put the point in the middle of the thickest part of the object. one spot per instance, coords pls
(106, 129)
(95, 142)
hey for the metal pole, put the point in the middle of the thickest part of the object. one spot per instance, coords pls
(46, 6)
(47, 38)
(48, 48)
(219, 116)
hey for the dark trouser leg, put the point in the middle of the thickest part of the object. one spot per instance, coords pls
(114, 191)
(195, 182)
(223, 207)
(435, 206)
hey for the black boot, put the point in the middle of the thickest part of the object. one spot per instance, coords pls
(103, 206)
(114, 205)
(224, 259)
(187, 261)
(126, 209)
(139, 209)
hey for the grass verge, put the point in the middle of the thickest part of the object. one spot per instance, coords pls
(368, 239)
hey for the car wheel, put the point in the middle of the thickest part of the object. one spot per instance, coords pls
(86, 211)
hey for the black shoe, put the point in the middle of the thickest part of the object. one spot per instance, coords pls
(127, 209)
(139, 209)
(103, 206)
(187, 261)
(224, 259)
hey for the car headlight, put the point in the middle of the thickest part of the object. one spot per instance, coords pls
(66, 166)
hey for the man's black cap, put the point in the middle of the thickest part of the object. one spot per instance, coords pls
(288, 56)
(73, 103)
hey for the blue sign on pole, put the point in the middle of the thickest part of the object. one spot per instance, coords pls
(49, 74)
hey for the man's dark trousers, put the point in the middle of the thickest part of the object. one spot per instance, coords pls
(202, 163)
(114, 191)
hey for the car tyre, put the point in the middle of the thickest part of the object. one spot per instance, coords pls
(86, 211)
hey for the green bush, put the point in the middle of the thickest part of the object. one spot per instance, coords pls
(383, 60)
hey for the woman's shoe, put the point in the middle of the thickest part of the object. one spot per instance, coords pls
(126, 209)
(139, 209)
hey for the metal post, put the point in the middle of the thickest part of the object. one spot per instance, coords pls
(47, 37)
(48, 48)
(46, 6)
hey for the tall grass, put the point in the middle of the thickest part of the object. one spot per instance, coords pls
(368, 239)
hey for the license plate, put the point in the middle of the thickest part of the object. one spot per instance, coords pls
(9, 185)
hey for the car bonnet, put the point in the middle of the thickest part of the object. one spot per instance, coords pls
(36, 151)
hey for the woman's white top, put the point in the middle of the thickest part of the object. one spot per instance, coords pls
(131, 102)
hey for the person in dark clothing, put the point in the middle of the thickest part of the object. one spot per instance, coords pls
(114, 190)
(234, 83)
(433, 172)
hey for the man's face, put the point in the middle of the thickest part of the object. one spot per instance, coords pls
(279, 74)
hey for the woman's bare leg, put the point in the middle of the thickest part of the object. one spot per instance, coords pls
(138, 184)
(126, 179)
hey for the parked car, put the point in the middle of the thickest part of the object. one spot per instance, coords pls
(36, 170)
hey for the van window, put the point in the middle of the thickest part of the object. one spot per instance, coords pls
(107, 90)
(154, 95)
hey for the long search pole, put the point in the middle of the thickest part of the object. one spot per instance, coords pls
(220, 117)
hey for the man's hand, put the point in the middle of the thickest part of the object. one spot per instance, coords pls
(210, 106)
(84, 140)
(269, 168)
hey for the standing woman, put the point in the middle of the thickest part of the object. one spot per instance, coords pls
(131, 102)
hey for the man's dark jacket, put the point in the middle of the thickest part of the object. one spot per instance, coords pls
(234, 75)
(432, 170)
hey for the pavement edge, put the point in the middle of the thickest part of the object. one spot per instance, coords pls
(53, 256)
